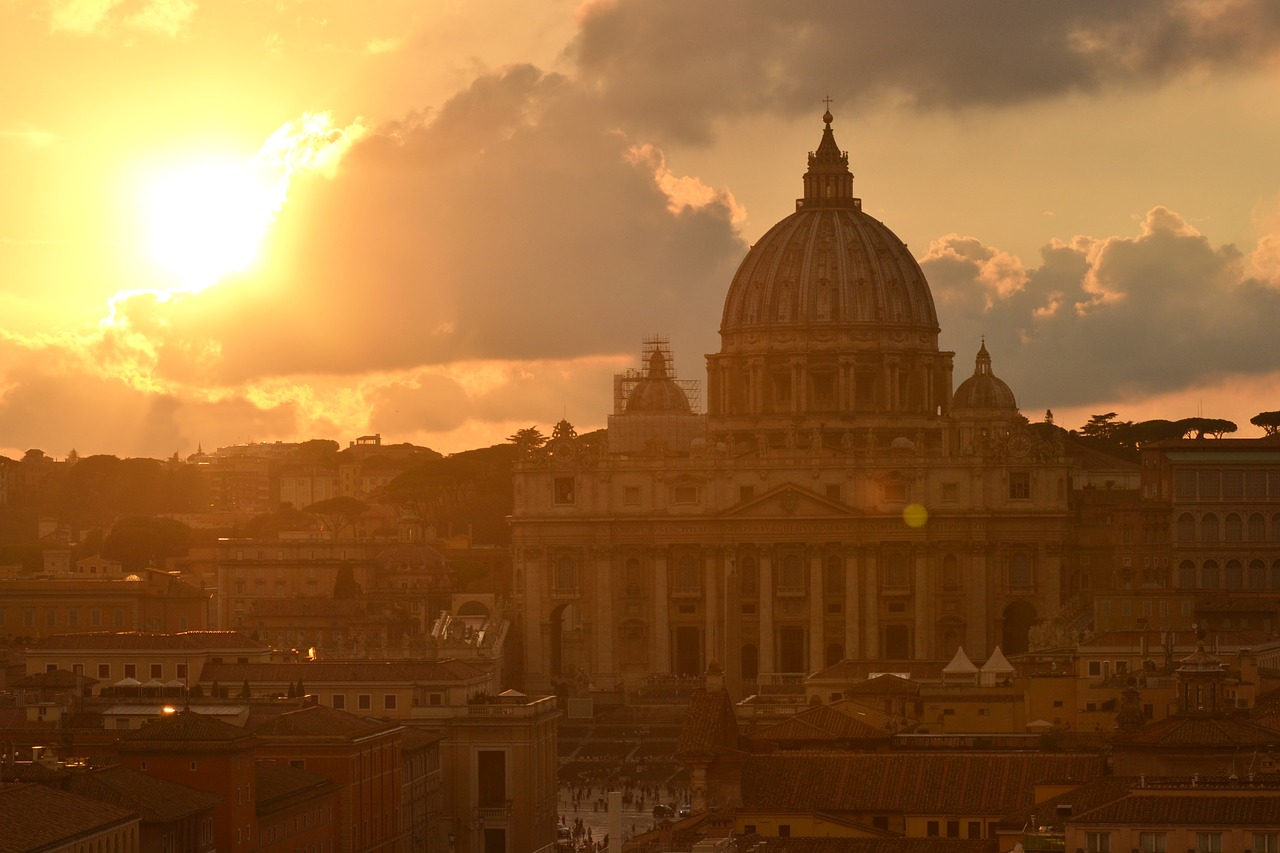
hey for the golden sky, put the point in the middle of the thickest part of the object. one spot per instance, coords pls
(258, 220)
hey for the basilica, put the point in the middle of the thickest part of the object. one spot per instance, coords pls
(841, 498)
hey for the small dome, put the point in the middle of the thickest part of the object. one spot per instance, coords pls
(657, 392)
(983, 390)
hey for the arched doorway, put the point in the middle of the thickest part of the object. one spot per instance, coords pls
(1018, 619)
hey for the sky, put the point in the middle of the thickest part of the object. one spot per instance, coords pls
(230, 221)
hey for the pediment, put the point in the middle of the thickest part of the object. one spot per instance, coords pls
(789, 500)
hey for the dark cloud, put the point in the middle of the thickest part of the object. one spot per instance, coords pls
(679, 66)
(514, 224)
(1105, 319)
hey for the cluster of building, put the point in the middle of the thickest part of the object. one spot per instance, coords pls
(919, 617)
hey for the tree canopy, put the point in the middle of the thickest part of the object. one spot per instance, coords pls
(140, 542)
(1269, 421)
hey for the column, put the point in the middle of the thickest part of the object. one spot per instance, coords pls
(871, 580)
(923, 598)
(660, 637)
(852, 619)
(767, 663)
(711, 583)
(535, 653)
(817, 619)
(604, 629)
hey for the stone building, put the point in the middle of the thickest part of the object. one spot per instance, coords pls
(837, 500)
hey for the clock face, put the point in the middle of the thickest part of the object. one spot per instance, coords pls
(563, 450)
(1019, 444)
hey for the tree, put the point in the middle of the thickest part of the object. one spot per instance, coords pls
(1201, 427)
(141, 542)
(337, 513)
(245, 692)
(1144, 432)
(317, 451)
(344, 585)
(1103, 427)
(1269, 421)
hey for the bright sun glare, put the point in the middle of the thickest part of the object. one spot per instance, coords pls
(205, 220)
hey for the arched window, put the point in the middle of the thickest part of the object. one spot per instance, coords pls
(895, 571)
(1186, 527)
(687, 572)
(1235, 574)
(633, 576)
(566, 574)
(1187, 575)
(1234, 528)
(1257, 574)
(1275, 575)
(1275, 527)
(792, 575)
(1257, 527)
(1209, 575)
(834, 580)
(748, 577)
(1209, 528)
(950, 572)
(1020, 571)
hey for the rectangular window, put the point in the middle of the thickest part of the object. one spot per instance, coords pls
(746, 493)
(73, 618)
(130, 670)
(631, 496)
(975, 829)
(157, 670)
(950, 493)
(104, 670)
(180, 671)
(1208, 842)
(1151, 842)
(51, 618)
(389, 702)
(1097, 842)
(118, 617)
(1019, 486)
(953, 829)
(931, 829)
(564, 490)
(364, 701)
(339, 701)
(684, 494)
(1095, 668)
(491, 777)
(95, 617)
(1264, 842)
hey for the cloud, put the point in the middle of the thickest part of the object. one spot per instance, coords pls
(484, 263)
(108, 17)
(1105, 319)
(679, 66)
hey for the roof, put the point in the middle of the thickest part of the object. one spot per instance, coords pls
(1199, 730)
(840, 721)
(859, 670)
(997, 662)
(142, 641)
(185, 727)
(279, 783)
(322, 672)
(960, 664)
(36, 817)
(318, 721)
(884, 685)
(1100, 791)
(55, 680)
(796, 844)
(962, 784)
(1153, 807)
(709, 724)
(156, 800)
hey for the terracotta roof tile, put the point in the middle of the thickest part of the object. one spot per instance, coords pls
(841, 721)
(318, 721)
(36, 817)
(797, 844)
(328, 672)
(1159, 808)
(156, 800)
(1195, 730)
(278, 782)
(981, 783)
(709, 725)
(185, 727)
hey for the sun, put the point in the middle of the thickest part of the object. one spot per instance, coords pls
(206, 219)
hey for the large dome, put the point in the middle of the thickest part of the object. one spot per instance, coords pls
(828, 324)
(830, 273)
(983, 390)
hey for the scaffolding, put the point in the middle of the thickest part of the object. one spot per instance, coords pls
(625, 382)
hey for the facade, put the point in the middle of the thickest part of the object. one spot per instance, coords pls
(838, 499)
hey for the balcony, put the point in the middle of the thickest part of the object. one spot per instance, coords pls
(564, 593)
(493, 815)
